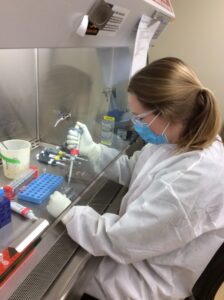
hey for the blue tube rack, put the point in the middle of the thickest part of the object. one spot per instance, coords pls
(5, 210)
(40, 188)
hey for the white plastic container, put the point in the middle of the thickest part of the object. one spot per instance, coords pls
(15, 149)
(57, 204)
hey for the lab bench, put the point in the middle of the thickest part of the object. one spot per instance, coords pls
(56, 267)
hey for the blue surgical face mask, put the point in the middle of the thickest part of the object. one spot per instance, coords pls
(145, 132)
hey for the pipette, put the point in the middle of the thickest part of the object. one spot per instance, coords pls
(45, 159)
(56, 152)
(75, 151)
(57, 157)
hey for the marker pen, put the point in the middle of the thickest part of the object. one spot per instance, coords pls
(22, 210)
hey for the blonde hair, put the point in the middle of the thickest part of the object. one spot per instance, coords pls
(172, 88)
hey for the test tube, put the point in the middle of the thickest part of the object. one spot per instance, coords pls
(14, 186)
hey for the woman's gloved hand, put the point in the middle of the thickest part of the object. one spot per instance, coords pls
(87, 146)
(57, 204)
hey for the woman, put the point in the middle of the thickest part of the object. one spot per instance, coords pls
(171, 221)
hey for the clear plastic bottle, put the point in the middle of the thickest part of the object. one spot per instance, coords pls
(107, 130)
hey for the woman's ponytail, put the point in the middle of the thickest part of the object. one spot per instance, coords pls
(205, 123)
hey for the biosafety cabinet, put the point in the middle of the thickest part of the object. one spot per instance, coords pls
(62, 62)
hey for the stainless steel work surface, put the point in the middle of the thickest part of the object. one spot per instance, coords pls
(89, 190)
(20, 224)
(94, 190)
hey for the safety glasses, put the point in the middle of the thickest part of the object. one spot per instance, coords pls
(138, 118)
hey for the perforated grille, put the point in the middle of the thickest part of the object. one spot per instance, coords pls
(34, 143)
(40, 279)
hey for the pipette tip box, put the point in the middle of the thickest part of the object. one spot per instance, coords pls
(41, 188)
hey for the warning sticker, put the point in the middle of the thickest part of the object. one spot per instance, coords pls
(116, 20)
(164, 3)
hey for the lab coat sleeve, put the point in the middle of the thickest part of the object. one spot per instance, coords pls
(154, 224)
(119, 170)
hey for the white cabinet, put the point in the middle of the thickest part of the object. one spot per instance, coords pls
(53, 23)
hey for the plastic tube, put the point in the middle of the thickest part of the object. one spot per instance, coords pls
(22, 210)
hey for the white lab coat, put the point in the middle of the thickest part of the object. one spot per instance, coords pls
(171, 222)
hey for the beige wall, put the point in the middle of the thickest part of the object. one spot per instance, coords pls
(196, 36)
(220, 294)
